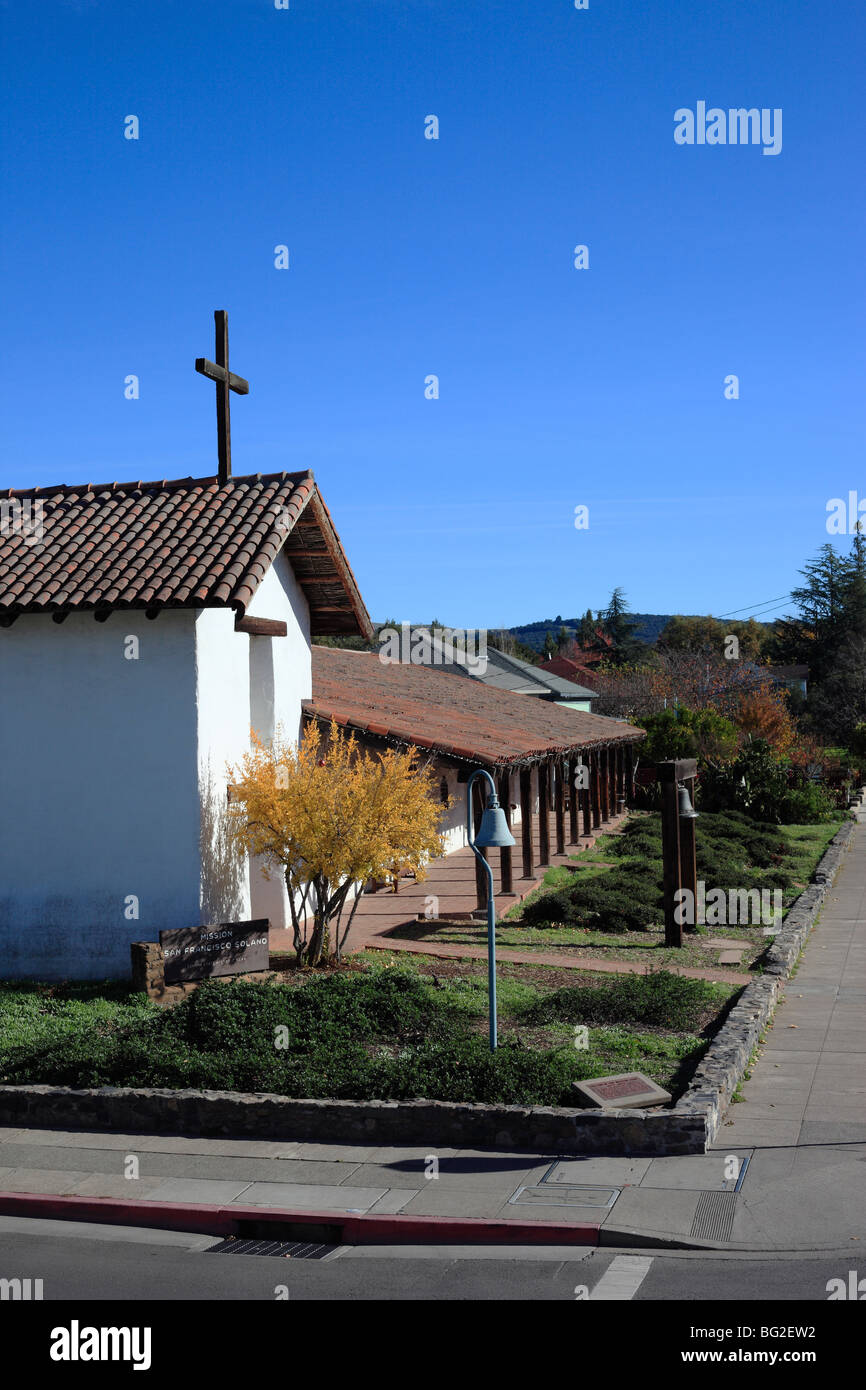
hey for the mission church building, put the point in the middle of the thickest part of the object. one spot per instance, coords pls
(145, 628)
(151, 627)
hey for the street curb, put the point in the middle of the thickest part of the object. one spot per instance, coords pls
(329, 1227)
(341, 1228)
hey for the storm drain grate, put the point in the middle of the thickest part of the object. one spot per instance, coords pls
(284, 1249)
(714, 1216)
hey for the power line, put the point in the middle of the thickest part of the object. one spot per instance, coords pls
(755, 607)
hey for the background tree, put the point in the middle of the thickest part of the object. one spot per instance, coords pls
(587, 632)
(837, 704)
(677, 732)
(815, 633)
(693, 634)
(504, 641)
(763, 713)
(331, 818)
(619, 626)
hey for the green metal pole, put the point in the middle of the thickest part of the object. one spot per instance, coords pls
(491, 907)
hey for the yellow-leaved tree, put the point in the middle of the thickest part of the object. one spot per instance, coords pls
(332, 816)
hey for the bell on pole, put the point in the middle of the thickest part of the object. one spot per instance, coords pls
(686, 809)
(493, 833)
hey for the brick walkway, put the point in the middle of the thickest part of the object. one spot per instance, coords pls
(451, 881)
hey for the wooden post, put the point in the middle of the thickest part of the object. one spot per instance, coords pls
(585, 796)
(478, 800)
(543, 816)
(604, 785)
(559, 806)
(505, 873)
(573, 803)
(526, 820)
(595, 788)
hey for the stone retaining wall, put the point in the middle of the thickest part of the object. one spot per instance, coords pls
(685, 1128)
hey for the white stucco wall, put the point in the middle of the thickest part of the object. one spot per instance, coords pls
(453, 823)
(99, 790)
(113, 775)
(246, 682)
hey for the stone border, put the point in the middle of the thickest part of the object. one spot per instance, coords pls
(686, 1128)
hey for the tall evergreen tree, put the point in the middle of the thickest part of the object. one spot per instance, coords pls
(855, 594)
(587, 631)
(619, 626)
(815, 634)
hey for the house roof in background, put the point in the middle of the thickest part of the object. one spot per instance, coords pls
(441, 710)
(186, 543)
(552, 680)
(506, 672)
(571, 670)
(793, 673)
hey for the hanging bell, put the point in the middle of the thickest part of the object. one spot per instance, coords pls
(687, 810)
(493, 833)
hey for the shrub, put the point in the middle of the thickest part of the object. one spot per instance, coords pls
(806, 805)
(660, 999)
(619, 900)
(754, 782)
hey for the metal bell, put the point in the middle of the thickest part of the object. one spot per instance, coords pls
(493, 832)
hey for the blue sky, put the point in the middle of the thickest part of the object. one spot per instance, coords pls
(410, 257)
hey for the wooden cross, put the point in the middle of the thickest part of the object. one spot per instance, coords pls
(225, 381)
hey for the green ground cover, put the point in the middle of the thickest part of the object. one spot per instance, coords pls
(370, 1031)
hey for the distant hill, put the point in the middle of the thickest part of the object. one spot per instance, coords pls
(647, 628)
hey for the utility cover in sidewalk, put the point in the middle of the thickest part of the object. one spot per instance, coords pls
(566, 1196)
(629, 1088)
(587, 1172)
(720, 1170)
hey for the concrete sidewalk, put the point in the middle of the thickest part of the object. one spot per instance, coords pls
(557, 1191)
(788, 1171)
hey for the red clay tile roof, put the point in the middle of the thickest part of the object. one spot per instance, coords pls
(439, 710)
(569, 670)
(189, 543)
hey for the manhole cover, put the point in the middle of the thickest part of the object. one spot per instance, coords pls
(561, 1196)
(284, 1249)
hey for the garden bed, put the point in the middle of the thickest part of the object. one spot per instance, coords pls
(372, 1031)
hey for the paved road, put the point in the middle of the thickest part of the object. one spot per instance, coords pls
(91, 1262)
